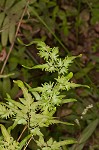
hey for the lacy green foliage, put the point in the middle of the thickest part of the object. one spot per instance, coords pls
(11, 145)
(6, 141)
(38, 105)
(5, 112)
(53, 62)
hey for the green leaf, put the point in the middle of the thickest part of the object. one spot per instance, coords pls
(43, 66)
(50, 142)
(5, 133)
(9, 3)
(17, 9)
(69, 76)
(17, 104)
(36, 95)
(11, 31)
(55, 12)
(22, 121)
(2, 2)
(20, 41)
(57, 145)
(2, 15)
(68, 100)
(19, 83)
(6, 86)
(14, 91)
(26, 94)
(5, 32)
(5, 112)
(66, 123)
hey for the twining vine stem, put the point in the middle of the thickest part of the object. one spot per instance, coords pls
(17, 30)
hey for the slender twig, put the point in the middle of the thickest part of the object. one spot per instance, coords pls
(28, 143)
(22, 133)
(17, 30)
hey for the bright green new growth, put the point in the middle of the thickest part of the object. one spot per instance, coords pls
(53, 62)
(44, 100)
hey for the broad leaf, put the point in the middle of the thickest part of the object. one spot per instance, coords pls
(4, 35)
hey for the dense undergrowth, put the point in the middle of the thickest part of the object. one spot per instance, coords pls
(73, 26)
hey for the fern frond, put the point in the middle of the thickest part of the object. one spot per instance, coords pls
(5, 112)
(46, 52)
(37, 106)
(7, 142)
(53, 62)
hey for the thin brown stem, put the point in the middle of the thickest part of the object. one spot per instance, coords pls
(22, 133)
(28, 143)
(17, 30)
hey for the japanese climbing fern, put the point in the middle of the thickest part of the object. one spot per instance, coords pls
(38, 105)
